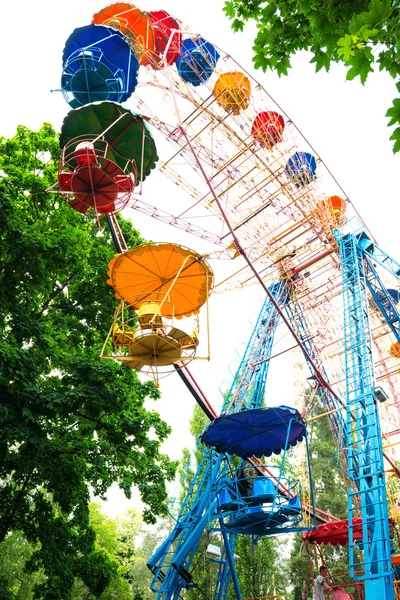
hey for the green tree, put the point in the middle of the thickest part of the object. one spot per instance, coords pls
(330, 496)
(15, 582)
(107, 545)
(136, 546)
(68, 420)
(256, 566)
(128, 543)
(361, 34)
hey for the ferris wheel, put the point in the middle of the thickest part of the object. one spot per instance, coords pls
(149, 95)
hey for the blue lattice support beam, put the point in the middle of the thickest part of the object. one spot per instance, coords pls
(331, 402)
(378, 255)
(363, 433)
(247, 388)
(382, 298)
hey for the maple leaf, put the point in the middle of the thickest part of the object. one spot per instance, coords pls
(229, 10)
(394, 113)
(346, 49)
(361, 64)
(396, 137)
(237, 25)
(379, 11)
(321, 60)
(261, 62)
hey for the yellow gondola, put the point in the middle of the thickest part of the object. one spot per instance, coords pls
(232, 91)
(157, 283)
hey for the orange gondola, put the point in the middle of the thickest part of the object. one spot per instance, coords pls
(134, 24)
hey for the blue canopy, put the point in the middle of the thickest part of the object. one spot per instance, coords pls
(98, 64)
(301, 168)
(196, 61)
(258, 432)
(395, 295)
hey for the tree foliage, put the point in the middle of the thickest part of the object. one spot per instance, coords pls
(68, 420)
(330, 496)
(361, 34)
(15, 582)
(257, 567)
(128, 544)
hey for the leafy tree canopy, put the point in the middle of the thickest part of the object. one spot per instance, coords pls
(69, 421)
(331, 496)
(361, 34)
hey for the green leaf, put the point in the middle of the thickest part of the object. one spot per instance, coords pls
(229, 10)
(394, 113)
(380, 11)
(237, 25)
(346, 47)
(268, 12)
(396, 137)
(261, 62)
(321, 60)
(361, 65)
(357, 22)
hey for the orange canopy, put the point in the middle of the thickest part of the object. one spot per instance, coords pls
(147, 272)
(133, 23)
(395, 349)
(232, 91)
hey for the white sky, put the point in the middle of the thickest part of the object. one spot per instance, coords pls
(344, 121)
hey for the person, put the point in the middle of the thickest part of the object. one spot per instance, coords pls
(320, 584)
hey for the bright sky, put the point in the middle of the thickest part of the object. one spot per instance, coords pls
(344, 121)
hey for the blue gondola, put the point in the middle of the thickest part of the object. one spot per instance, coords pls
(394, 296)
(98, 64)
(274, 505)
(197, 61)
(301, 168)
(256, 498)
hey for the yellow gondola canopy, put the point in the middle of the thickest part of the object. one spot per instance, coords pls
(232, 91)
(147, 272)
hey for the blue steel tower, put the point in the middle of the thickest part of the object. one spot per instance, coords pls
(355, 423)
(363, 434)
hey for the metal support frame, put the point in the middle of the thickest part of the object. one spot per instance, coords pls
(381, 298)
(176, 554)
(378, 255)
(363, 434)
(330, 401)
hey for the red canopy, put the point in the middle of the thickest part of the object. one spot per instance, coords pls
(336, 533)
(338, 593)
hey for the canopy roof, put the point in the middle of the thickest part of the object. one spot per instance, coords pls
(336, 533)
(99, 64)
(133, 23)
(232, 91)
(258, 432)
(163, 26)
(197, 60)
(301, 167)
(125, 132)
(146, 272)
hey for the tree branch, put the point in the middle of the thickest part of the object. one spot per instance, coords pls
(56, 293)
